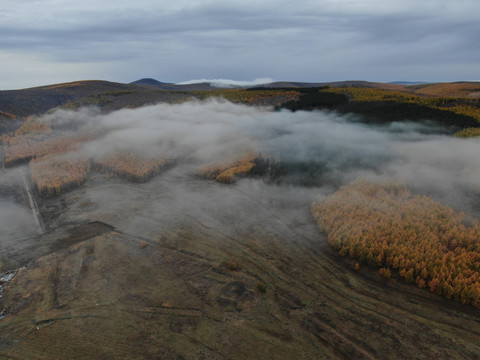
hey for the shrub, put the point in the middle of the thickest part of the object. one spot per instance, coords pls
(261, 287)
(232, 266)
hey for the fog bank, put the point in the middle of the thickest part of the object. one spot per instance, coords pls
(338, 149)
(303, 155)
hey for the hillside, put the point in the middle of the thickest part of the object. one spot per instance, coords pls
(209, 281)
(173, 87)
(39, 100)
(457, 89)
(112, 96)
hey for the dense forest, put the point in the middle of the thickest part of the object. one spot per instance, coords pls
(54, 174)
(130, 166)
(386, 226)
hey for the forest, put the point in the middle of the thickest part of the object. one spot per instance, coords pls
(52, 175)
(384, 225)
(131, 166)
(55, 170)
(382, 106)
(227, 172)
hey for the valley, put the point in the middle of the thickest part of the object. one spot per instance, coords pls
(178, 224)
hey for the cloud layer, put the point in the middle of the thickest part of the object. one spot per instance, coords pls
(319, 40)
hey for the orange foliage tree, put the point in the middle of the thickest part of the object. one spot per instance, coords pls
(226, 172)
(53, 175)
(385, 226)
(131, 167)
(22, 148)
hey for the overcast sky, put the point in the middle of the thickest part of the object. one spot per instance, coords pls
(50, 41)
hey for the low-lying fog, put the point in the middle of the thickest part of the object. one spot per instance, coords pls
(320, 149)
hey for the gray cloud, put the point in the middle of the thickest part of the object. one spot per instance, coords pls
(312, 41)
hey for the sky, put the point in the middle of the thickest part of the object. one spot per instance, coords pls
(51, 41)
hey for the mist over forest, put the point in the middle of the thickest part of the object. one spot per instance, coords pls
(314, 151)
(339, 147)
(222, 203)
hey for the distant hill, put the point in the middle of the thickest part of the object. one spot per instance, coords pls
(173, 87)
(148, 81)
(16, 105)
(468, 89)
(109, 95)
(289, 84)
(40, 99)
(407, 82)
